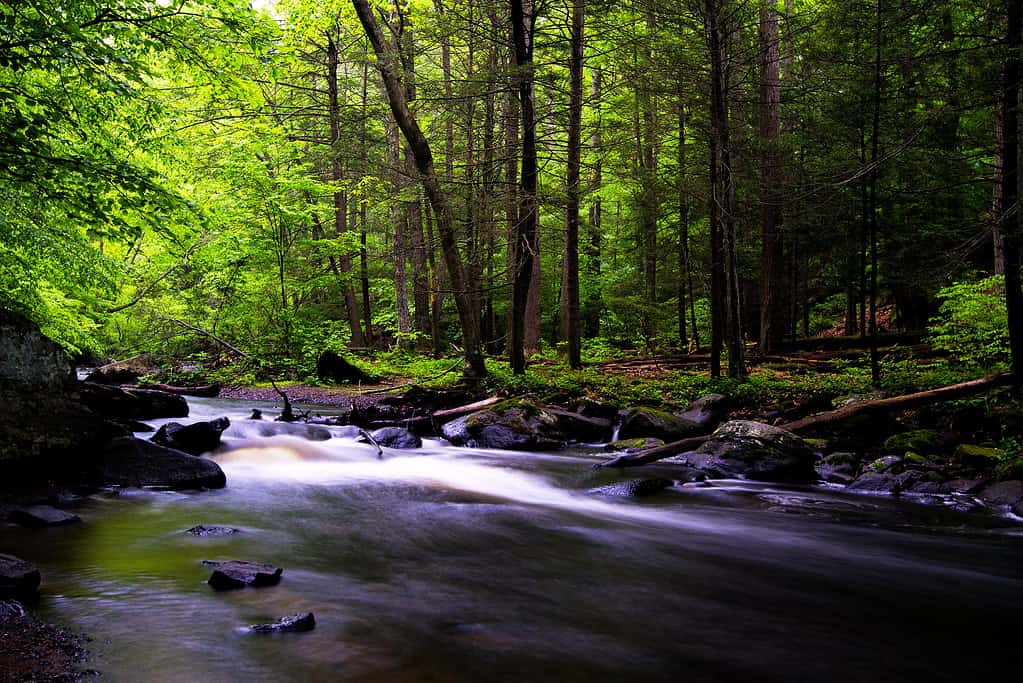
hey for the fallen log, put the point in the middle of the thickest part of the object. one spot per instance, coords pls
(205, 390)
(904, 402)
(448, 414)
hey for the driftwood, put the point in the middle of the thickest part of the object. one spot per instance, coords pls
(903, 402)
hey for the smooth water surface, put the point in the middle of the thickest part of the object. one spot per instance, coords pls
(452, 564)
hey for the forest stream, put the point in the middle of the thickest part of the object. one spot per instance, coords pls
(449, 564)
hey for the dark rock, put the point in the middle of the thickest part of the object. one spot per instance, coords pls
(889, 463)
(396, 437)
(331, 367)
(203, 531)
(1004, 493)
(634, 488)
(130, 403)
(753, 450)
(293, 623)
(238, 574)
(706, 411)
(839, 468)
(581, 428)
(48, 433)
(128, 461)
(196, 438)
(18, 578)
(30, 360)
(633, 444)
(125, 371)
(257, 414)
(11, 609)
(136, 426)
(644, 422)
(41, 516)
(885, 482)
(509, 425)
(587, 407)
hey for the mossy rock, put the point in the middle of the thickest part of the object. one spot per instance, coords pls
(520, 425)
(978, 456)
(753, 450)
(891, 463)
(634, 444)
(1010, 469)
(649, 422)
(917, 459)
(917, 441)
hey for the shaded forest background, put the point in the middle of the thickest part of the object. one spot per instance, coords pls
(716, 175)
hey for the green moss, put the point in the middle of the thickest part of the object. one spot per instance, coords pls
(634, 444)
(1010, 469)
(917, 441)
(969, 453)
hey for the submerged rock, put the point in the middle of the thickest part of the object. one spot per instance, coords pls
(293, 623)
(396, 437)
(239, 574)
(202, 531)
(18, 578)
(304, 431)
(196, 438)
(129, 461)
(42, 516)
(753, 450)
(634, 488)
(1007, 494)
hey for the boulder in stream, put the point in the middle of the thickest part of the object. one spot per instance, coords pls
(658, 424)
(196, 438)
(42, 516)
(517, 425)
(130, 403)
(204, 531)
(396, 437)
(239, 574)
(18, 578)
(128, 461)
(293, 623)
(753, 450)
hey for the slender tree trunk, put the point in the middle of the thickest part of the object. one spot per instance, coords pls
(1010, 185)
(683, 224)
(997, 205)
(526, 229)
(875, 367)
(772, 318)
(340, 201)
(363, 254)
(511, 173)
(725, 194)
(465, 301)
(649, 209)
(591, 309)
(570, 262)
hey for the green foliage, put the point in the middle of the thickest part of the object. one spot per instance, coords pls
(972, 323)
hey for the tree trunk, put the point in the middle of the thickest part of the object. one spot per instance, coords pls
(526, 228)
(593, 305)
(465, 301)
(772, 318)
(570, 263)
(875, 367)
(996, 185)
(1010, 186)
(363, 254)
(683, 224)
(340, 202)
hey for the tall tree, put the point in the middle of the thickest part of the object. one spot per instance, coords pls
(772, 318)
(466, 294)
(570, 332)
(1010, 219)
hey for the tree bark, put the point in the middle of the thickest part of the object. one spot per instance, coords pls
(465, 301)
(1010, 185)
(591, 309)
(340, 200)
(526, 227)
(772, 319)
(875, 367)
(570, 332)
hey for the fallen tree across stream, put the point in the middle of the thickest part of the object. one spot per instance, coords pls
(904, 402)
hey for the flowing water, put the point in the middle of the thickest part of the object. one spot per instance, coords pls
(449, 564)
